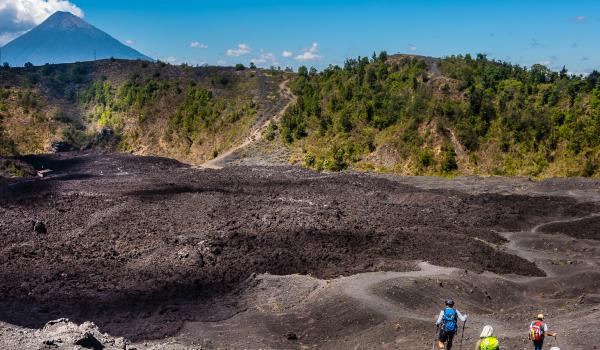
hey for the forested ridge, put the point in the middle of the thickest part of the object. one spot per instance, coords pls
(455, 115)
(405, 114)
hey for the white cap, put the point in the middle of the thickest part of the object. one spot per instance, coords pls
(486, 332)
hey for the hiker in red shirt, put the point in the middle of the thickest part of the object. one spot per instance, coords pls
(537, 331)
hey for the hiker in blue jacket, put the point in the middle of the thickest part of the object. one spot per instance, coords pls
(447, 325)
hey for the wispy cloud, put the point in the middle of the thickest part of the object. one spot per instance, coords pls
(535, 43)
(584, 72)
(198, 45)
(221, 62)
(287, 54)
(19, 16)
(264, 58)
(242, 49)
(584, 59)
(129, 42)
(580, 19)
(309, 54)
(412, 48)
(8, 37)
(170, 59)
(545, 63)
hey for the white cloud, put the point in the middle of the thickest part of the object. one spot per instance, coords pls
(171, 60)
(8, 37)
(19, 16)
(198, 45)
(129, 42)
(584, 73)
(287, 54)
(265, 57)
(412, 48)
(221, 62)
(580, 19)
(309, 54)
(545, 63)
(243, 49)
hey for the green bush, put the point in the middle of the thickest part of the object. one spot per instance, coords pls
(426, 158)
(449, 163)
(77, 138)
(309, 160)
(271, 131)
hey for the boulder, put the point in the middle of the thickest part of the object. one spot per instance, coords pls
(64, 334)
(39, 227)
(62, 146)
(88, 341)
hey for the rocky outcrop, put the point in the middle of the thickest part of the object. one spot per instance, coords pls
(64, 334)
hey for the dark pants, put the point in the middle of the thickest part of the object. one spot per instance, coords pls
(538, 344)
(446, 337)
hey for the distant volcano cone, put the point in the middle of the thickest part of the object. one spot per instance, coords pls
(65, 38)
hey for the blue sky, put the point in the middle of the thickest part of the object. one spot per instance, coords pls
(317, 33)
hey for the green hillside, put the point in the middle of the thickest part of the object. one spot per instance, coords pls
(405, 114)
(183, 112)
(457, 115)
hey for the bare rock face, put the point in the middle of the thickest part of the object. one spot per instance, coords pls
(64, 334)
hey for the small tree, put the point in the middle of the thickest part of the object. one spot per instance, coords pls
(239, 66)
(383, 56)
(564, 72)
(28, 65)
(252, 65)
(6, 65)
(303, 71)
(592, 79)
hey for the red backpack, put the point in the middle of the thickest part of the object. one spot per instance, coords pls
(536, 330)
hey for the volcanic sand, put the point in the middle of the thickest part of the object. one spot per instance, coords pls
(170, 256)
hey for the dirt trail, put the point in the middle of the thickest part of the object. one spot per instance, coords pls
(257, 130)
(361, 287)
(542, 258)
(536, 228)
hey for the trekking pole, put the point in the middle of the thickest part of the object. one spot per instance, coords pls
(463, 334)
(434, 337)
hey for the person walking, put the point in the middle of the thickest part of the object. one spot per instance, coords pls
(447, 325)
(487, 341)
(538, 330)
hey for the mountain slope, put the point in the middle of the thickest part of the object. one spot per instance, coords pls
(64, 38)
(455, 115)
(188, 113)
(403, 114)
